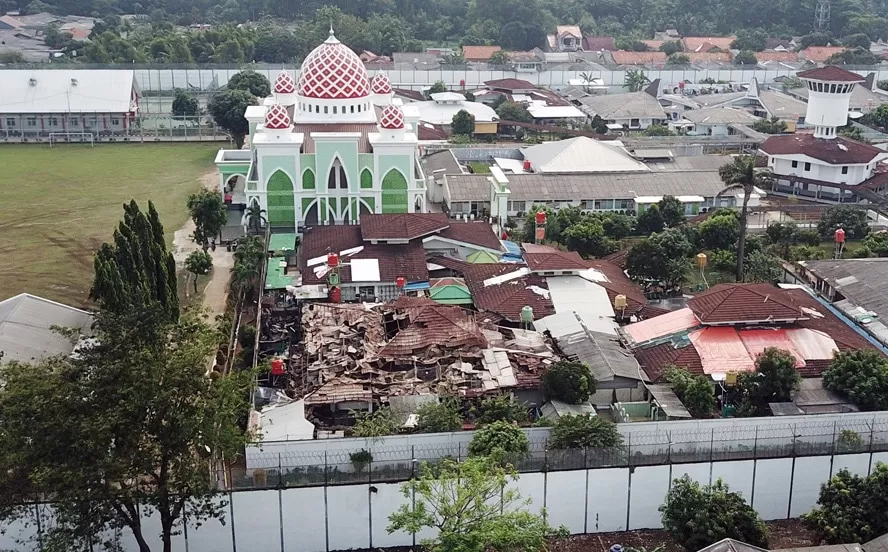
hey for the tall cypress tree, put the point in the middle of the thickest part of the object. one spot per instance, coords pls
(136, 271)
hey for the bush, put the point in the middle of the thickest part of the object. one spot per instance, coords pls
(877, 243)
(851, 508)
(774, 380)
(695, 392)
(807, 237)
(500, 440)
(851, 219)
(697, 516)
(439, 417)
(862, 252)
(568, 381)
(570, 432)
(502, 408)
(862, 375)
(378, 423)
(806, 253)
(723, 260)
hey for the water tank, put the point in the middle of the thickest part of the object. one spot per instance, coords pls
(277, 367)
(620, 302)
(541, 218)
(400, 282)
(527, 314)
(335, 295)
(701, 260)
(840, 236)
(527, 165)
(332, 259)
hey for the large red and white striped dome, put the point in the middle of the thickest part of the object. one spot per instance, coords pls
(333, 72)
(381, 84)
(391, 118)
(284, 83)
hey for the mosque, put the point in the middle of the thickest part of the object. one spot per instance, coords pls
(327, 148)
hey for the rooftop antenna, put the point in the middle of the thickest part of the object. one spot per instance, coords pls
(821, 16)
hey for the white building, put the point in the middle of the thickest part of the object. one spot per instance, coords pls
(823, 165)
(444, 105)
(632, 111)
(714, 121)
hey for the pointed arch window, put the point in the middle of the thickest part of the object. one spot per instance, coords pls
(337, 178)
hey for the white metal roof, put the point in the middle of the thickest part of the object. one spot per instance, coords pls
(25, 322)
(66, 91)
(581, 155)
(555, 112)
(442, 113)
(448, 97)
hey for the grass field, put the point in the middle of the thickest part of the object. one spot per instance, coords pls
(58, 205)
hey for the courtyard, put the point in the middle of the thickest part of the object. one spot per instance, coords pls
(59, 204)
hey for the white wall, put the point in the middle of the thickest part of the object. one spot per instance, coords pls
(819, 171)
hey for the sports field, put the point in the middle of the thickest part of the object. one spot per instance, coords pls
(57, 205)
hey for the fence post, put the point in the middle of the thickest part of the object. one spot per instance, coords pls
(280, 472)
(412, 461)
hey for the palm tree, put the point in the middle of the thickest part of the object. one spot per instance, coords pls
(742, 174)
(635, 80)
(255, 217)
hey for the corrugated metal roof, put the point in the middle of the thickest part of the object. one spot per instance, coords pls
(66, 91)
(580, 154)
(25, 322)
(633, 105)
(668, 401)
(604, 355)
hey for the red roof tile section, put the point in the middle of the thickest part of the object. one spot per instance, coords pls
(476, 233)
(837, 151)
(598, 43)
(406, 226)
(830, 73)
(622, 57)
(479, 53)
(744, 303)
(654, 360)
(776, 56)
(707, 44)
(508, 298)
(510, 84)
(434, 325)
(820, 54)
(556, 260)
(406, 260)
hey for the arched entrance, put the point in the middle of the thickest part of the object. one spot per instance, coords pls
(281, 212)
(310, 217)
(394, 192)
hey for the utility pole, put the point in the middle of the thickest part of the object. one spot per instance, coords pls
(821, 16)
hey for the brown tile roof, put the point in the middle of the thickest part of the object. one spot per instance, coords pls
(475, 233)
(538, 248)
(451, 263)
(410, 94)
(820, 54)
(618, 258)
(830, 73)
(845, 336)
(308, 146)
(776, 56)
(837, 151)
(875, 182)
(427, 131)
(435, 325)
(654, 359)
(620, 284)
(401, 226)
(479, 53)
(506, 299)
(710, 57)
(555, 260)
(598, 43)
(705, 44)
(744, 303)
(510, 84)
(623, 57)
(407, 260)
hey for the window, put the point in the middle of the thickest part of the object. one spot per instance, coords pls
(32, 122)
(75, 122)
(516, 206)
(53, 121)
(844, 170)
(334, 110)
(10, 122)
(352, 109)
(807, 166)
(633, 123)
(115, 121)
(325, 110)
(337, 178)
(795, 164)
(624, 204)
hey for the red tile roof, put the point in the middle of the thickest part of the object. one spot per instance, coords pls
(837, 151)
(479, 53)
(820, 54)
(427, 131)
(407, 260)
(830, 73)
(598, 43)
(705, 44)
(776, 56)
(744, 303)
(555, 260)
(510, 84)
(410, 94)
(475, 233)
(451, 263)
(654, 359)
(709, 57)
(435, 325)
(622, 57)
(402, 226)
(506, 299)
(618, 258)
(620, 284)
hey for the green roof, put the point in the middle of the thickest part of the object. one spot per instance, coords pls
(482, 257)
(450, 291)
(280, 242)
(275, 277)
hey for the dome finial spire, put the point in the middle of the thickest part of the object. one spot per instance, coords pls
(332, 38)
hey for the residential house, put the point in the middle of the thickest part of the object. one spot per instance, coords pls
(439, 111)
(479, 54)
(632, 110)
(819, 54)
(714, 121)
(780, 44)
(699, 44)
(526, 62)
(599, 44)
(770, 103)
(567, 38)
(776, 56)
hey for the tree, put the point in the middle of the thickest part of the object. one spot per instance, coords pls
(782, 236)
(437, 88)
(815, 39)
(671, 47)
(500, 58)
(617, 226)
(696, 392)
(877, 117)
(697, 516)
(249, 258)
(658, 130)
(742, 174)
(852, 133)
(256, 219)
(379, 423)
(439, 417)
(472, 506)
(753, 40)
(512, 111)
(678, 59)
(650, 220)
(463, 123)
(635, 80)
(720, 231)
(456, 58)
(68, 429)
(851, 219)
(762, 268)
(851, 508)
(572, 432)
(774, 379)
(854, 56)
(672, 211)
(501, 440)
(228, 109)
(569, 381)
(745, 57)
(770, 126)
(250, 81)
(502, 408)
(209, 214)
(136, 271)
(857, 40)
(198, 263)
(862, 375)
(587, 238)
(877, 243)
(185, 105)
(662, 257)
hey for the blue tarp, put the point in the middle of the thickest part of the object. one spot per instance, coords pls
(416, 286)
(512, 248)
